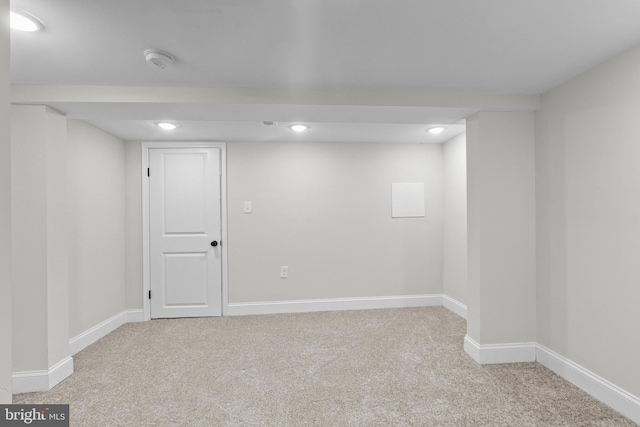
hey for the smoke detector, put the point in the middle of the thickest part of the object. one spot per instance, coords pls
(157, 58)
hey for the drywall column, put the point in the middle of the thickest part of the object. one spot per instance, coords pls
(5, 209)
(501, 237)
(455, 224)
(41, 356)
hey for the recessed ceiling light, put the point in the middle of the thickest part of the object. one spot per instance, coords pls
(299, 128)
(166, 125)
(436, 130)
(23, 21)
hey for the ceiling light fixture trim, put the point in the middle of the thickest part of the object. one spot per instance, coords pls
(436, 130)
(24, 21)
(167, 125)
(299, 127)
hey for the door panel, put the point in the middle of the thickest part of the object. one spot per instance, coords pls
(185, 279)
(185, 200)
(184, 219)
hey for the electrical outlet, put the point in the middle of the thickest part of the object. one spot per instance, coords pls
(284, 272)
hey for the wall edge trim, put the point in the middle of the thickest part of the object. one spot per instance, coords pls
(487, 354)
(5, 396)
(43, 380)
(102, 329)
(134, 315)
(91, 335)
(605, 391)
(455, 306)
(332, 304)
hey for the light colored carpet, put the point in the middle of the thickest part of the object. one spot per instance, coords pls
(394, 367)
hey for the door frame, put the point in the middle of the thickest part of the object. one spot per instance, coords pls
(146, 241)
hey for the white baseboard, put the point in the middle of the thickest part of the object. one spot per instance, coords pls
(44, 380)
(5, 396)
(454, 305)
(60, 371)
(617, 398)
(134, 316)
(603, 390)
(486, 354)
(92, 335)
(332, 304)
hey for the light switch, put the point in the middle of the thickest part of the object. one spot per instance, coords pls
(247, 207)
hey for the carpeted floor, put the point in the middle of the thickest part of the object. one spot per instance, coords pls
(394, 367)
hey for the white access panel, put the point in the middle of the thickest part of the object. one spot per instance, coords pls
(407, 200)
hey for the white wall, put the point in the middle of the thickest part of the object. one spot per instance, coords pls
(96, 191)
(28, 228)
(57, 238)
(133, 225)
(588, 228)
(323, 210)
(39, 238)
(5, 211)
(454, 157)
(501, 228)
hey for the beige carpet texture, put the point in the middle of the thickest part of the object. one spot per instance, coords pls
(395, 367)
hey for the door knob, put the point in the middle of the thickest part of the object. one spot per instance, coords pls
(214, 243)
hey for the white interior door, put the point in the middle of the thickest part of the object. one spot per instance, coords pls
(184, 232)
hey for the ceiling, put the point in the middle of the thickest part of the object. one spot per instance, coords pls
(355, 70)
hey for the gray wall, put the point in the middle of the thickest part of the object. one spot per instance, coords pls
(68, 210)
(133, 224)
(454, 157)
(501, 227)
(5, 211)
(323, 210)
(96, 191)
(28, 203)
(39, 243)
(588, 228)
